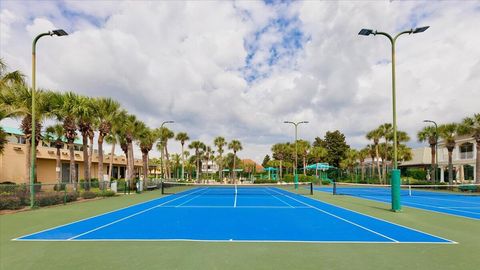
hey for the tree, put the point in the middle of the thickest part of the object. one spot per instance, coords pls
(235, 146)
(182, 137)
(279, 152)
(164, 135)
(265, 161)
(429, 134)
(317, 154)
(208, 152)
(146, 138)
(303, 148)
(56, 131)
(220, 143)
(132, 128)
(9, 79)
(85, 116)
(448, 132)
(471, 126)
(197, 145)
(336, 146)
(375, 135)
(349, 161)
(107, 111)
(362, 155)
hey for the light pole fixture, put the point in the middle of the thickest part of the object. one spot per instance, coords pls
(57, 32)
(395, 172)
(295, 175)
(436, 148)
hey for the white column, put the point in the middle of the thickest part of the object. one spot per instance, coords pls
(442, 176)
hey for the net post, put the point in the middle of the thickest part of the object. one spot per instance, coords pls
(395, 188)
(311, 188)
(161, 187)
(334, 188)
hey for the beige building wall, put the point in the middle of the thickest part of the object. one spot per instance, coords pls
(13, 163)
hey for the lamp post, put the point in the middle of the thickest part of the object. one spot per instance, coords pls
(58, 32)
(161, 159)
(395, 172)
(295, 175)
(436, 148)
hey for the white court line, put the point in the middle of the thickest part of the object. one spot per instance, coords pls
(449, 200)
(127, 217)
(204, 189)
(343, 219)
(376, 199)
(235, 199)
(95, 216)
(461, 207)
(279, 198)
(389, 221)
(249, 206)
(407, 203)
(237, 241)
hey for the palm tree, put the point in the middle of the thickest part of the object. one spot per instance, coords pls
(279, 152)
(146, 139)
(131, 127)
(448, 132)
(57, 132)
(8, 79)
(197, 145)
(235, 146)
(471, 126)
(164, 135)
(107, 110)
(85, 115)
(350, 161)
(429, 134)
(182, 137)
(220, 143)
(176, 162)
(112, 140)
(303, 148)
(208, 151)
(318, 153)
(362, 155)
(375, 135)
(386, 130)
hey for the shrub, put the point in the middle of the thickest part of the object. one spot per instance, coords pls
(107, 193)
(418, 174)
(7, 187)
(71, 197)
(46, 199)
(89, 195)
(10, 203)
(59, 187)
(265, 181)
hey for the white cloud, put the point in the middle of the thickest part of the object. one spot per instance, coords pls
(187, 61)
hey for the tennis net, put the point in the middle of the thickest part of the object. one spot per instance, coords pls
(366, 190)
(302, 188)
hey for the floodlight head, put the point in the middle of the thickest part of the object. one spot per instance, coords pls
(58, 32)
(170, 121)
(304, 122)
(420, 29)
(365, 32)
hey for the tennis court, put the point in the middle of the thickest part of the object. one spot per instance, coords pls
(437, 198)
(236, 213)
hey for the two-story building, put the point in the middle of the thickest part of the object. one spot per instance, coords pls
(464, 159)
(13, 161)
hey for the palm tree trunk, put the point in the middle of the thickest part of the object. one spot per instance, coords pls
(57, 167)
(145, 169)
(85, 162)
(167, 163)
(304, 165)
(234, 172)
(130, 163)
(281, 169)
(477, 163)
(363, 170)
(28, 150)
(198, 165)
(111, 162)
(100, 160)
(162, 171)
(73, 175)
(378, 162)
(90, 157)
(450, 167)
(183, 163)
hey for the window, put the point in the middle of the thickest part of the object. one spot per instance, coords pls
(468, 172)
(466, 151)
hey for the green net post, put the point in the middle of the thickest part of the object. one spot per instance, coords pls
(395, 182)
(296, 180)
(311, 188)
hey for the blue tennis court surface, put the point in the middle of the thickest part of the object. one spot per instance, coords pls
(463, 204)
(212, 214)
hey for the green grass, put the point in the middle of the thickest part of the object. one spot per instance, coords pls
(201, 255)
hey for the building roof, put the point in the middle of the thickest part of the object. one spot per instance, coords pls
(420, 156)
(19, 132)
(258, 167)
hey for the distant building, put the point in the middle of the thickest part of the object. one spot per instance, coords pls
(13, 161)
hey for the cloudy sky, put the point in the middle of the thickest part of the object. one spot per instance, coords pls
(239, 69)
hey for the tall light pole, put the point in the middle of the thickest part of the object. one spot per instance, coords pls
(33, 154)
(161, 154)
(396, 206)
(295, 175)
(436, 148)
